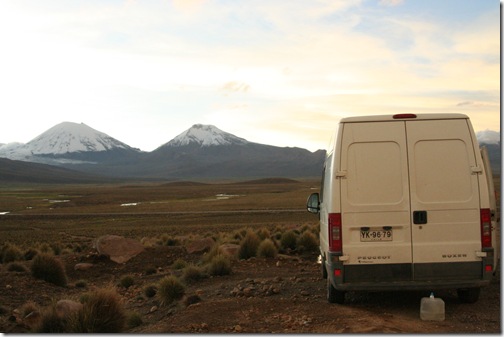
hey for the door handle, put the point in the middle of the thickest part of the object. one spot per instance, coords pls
(420, 217)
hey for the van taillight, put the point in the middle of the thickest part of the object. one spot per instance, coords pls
(335, 242)
(486, 228)
(400, 116)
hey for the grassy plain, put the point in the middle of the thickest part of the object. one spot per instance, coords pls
(72, 213)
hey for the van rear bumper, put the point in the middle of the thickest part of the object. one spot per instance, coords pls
(425, 276)
(411, 285)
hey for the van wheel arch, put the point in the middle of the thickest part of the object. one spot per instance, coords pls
(333, 295)
(323, 268)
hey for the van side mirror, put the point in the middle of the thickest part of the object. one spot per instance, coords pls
(313, 203)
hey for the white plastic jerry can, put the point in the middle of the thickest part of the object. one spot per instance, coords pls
(432, 309)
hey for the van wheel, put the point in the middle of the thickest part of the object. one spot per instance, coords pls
(333, 295)
(324, 270)
(468, 295)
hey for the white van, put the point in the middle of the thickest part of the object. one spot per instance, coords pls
(405, 203)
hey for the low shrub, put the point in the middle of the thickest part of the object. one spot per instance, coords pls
(102, 312)
(126, 281)
(192, 273)
(51, 322)
(81, 284)
(150, 290)
(45, 248)
(179, 264)
(134, 320)
(11, 253)
(249, 245)
(49, 268)
(307, 242)
(267, 249)
(263, 233)
(30, 254)
(288, 240)
(28, 308)
(150, 270)
(170, 289)
(219, 265)
(17, 267)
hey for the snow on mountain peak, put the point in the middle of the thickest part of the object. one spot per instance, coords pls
(68, 137)
(488, 137)
(205, 135)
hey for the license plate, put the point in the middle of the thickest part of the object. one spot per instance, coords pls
(376, 235)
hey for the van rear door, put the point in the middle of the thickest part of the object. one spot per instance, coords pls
(375, 202)
(445, 204)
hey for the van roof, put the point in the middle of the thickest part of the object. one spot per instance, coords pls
(398, 117)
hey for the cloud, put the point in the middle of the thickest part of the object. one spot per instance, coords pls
(233, 86)
(391, 3)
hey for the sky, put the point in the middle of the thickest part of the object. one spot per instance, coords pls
(275, 72)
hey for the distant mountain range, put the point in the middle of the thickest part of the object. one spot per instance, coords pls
(82, 154)
(201, 152)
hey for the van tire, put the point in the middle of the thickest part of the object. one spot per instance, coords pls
(324, 269)
(333, 295)
(468, 295)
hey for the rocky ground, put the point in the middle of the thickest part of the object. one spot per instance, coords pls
(285, 294)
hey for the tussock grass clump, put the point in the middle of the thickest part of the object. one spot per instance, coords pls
(192, 273)
(45, 248)
(263, 233)
(288, 240)
(267, 249)
(17, 267)
(28, 308)
(11, 253)
(307, 242)
(249, 245)
(219, 266)
(81, 284)
(30, 254)
(102, 312)
(150, 290)
(215, 251)
(179, 264)
(49, 268)
(126, 281)
(3, 309)
(150, 270)
(170, 289)
(134, 320)
(51, 322)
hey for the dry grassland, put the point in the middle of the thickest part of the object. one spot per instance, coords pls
(67, 212)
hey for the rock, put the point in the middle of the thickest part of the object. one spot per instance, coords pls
(305, 293)
(64, 308)
(237, 328)
(248, 291)
(118, 248)
(83, 266)
(229, 249)
(199, 246)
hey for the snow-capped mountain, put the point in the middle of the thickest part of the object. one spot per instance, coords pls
(68, 137)
(205, 135)
(67, 143)
(488, 137)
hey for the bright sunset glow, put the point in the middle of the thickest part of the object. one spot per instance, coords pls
(274, 72)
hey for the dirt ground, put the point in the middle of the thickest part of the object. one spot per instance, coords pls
(285, 294)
